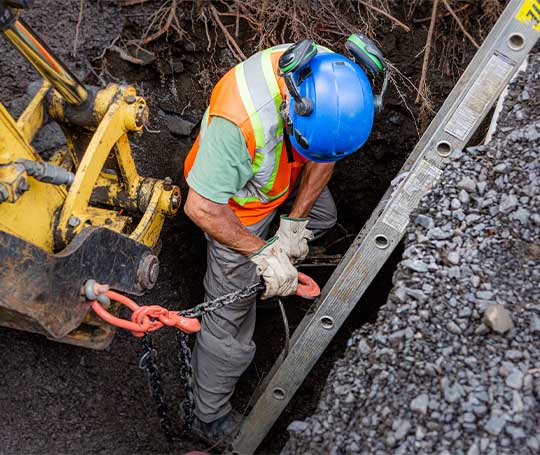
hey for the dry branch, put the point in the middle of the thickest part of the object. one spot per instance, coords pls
(165, 28)
(237, 22)
(240, 16)
(124, 55)
(385, 14)
(237, 51)
(427, 50)
(78, 28)
(279, 21)
(460, 24)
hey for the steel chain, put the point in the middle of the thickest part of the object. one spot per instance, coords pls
(149, 364)
(186, 378)
(213, 305)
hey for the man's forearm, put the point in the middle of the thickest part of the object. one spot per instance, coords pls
(315, 176)
(221, 223)
(226, 228)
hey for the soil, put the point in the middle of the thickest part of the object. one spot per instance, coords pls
(64, 400)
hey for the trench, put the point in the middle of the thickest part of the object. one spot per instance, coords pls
(64, 399)
(357, 186)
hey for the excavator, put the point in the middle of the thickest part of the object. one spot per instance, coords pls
(77, 213)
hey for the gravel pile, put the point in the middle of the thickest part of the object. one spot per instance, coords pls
(452, 364)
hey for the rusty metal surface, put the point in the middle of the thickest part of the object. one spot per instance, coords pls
(40, 292)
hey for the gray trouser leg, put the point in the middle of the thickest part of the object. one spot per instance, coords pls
(224, 347)
(323, 215)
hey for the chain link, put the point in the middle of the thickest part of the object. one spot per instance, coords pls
(213, 305)
(186, 378)
(149, 364)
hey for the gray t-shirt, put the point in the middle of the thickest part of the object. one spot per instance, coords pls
(223, 164)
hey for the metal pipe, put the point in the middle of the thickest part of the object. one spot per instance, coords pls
(46, 63)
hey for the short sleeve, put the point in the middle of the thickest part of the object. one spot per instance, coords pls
(223, 164)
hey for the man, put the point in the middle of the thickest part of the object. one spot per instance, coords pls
(270, 136)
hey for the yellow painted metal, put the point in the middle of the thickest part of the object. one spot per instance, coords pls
(31, 216)
(110, 218)
(44, 61)
(61, 157)
(14, 183)
(13, 144)
(31, 120)
(129, 174)
(106, 96)
(149, 227)
(116, 110)
(111, 132)
(101, 103)
(107, 190)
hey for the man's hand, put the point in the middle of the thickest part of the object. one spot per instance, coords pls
(221, 223)
(273, 265)
(293, 236)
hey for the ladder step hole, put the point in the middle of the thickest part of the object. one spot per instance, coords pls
(444, 148)
(327, 322)
(381, 241)
(279, 393)
(516, 41)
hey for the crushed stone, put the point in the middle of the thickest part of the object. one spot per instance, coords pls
(456, 386)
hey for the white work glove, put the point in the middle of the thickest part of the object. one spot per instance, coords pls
(293, 236)
(273, 265)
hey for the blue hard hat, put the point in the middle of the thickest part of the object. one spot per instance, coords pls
(343, 109)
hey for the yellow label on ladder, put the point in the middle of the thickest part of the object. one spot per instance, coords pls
(529, 14)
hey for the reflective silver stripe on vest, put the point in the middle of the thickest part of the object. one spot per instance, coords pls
(264, 96)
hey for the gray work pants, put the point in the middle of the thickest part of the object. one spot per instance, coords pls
(224, 347)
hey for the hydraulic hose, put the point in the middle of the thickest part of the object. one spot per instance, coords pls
(42, 58)
(47, 172)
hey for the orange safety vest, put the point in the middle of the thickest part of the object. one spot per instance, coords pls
(250, 96)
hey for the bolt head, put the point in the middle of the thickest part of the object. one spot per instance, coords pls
(130, 99)
(22, 186)
(175, 201)
(73, 221)
(148, 271)
(167, 184)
